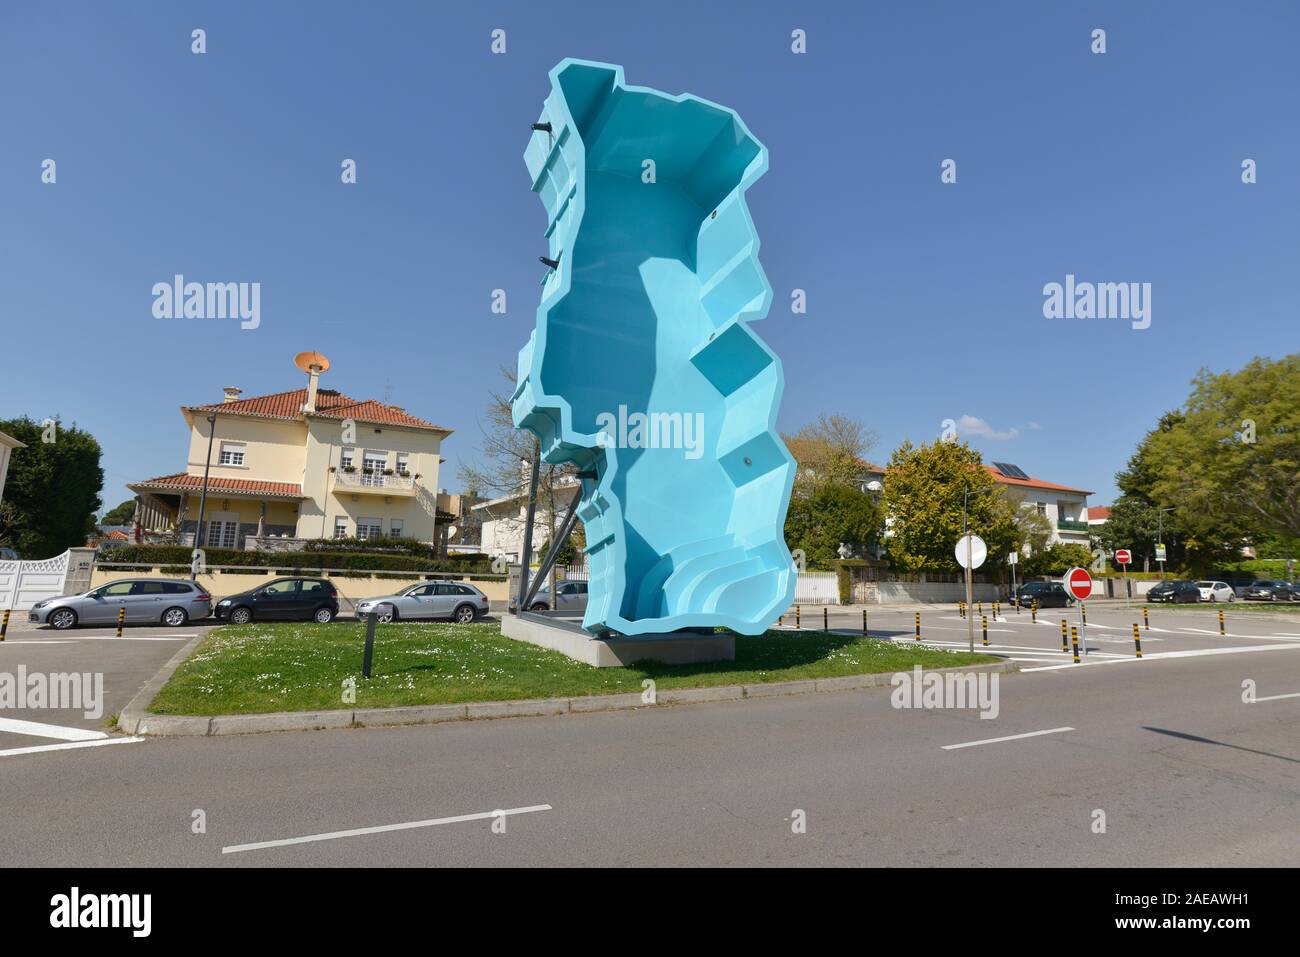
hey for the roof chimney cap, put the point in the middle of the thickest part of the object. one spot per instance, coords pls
(231, 393)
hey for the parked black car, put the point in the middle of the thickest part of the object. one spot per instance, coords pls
(1267, 590)
(284, 599)
(1176, 592)
(1049, 595)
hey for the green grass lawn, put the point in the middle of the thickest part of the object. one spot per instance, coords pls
(246, 669)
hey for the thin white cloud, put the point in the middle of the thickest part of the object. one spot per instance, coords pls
(974, 425)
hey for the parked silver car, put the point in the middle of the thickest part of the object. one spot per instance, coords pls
(172, 602)
(573, 597)
(455, 600)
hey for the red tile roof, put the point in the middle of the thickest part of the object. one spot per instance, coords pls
(329, 404)
(184, 481)
(1032, 482)
(1099, 513)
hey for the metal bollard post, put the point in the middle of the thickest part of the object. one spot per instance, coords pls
(864, 622)
(1221, 628)
(1137, 639)
(1146, 619)
(121, 617)
(1065, 638)
(984, 627)
(1074, 640)
(826, 619)
(918, 626)
(370, 645)
(797, 623)
(4, 625)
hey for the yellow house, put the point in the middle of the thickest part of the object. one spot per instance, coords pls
(305, 464)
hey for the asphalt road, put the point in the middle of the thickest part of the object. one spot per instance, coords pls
(1185, 772)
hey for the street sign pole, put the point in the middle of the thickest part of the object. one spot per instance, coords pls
(970, 619)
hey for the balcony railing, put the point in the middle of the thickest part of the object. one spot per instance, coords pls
(374, 481)
(1071, 525)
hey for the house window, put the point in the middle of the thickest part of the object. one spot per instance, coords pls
(221, 534)
(232, 453)
(375, 463)
(368, 528)
(403, 463)
(1042, 508)
(395, 528)
(341, 526)
(345, 458)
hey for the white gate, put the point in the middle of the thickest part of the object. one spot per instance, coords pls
(817, 588)
(23, 584)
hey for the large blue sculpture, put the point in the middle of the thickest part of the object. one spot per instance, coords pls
(642, 369)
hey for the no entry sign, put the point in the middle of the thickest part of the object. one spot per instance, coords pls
(1123, 556)
(1078, 583)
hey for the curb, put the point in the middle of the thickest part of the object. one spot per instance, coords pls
(136, 720)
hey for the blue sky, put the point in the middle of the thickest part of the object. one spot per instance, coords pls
(924, 300)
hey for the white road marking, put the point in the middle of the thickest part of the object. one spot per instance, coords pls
(1198, 653)
(356, 832)
(68, 747)
(37, 730)
(1010, 737)
(1278, 697)
(40, 641)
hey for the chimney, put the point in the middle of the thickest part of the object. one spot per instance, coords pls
(232, 394)
(313, 380)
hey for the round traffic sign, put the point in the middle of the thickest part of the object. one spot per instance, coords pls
(1078, 583)
(978, 551)
(1123, 556)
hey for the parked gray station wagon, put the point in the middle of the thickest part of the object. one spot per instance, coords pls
(455, 600)
(171, 602)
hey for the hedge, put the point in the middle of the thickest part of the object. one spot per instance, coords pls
(346, 560)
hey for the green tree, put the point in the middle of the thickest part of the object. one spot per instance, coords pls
(832, 514)
(1230, 464)
(123, 514)
(924, 489)
(53, 487)
(1057, 559)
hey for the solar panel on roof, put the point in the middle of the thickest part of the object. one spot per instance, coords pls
(1010, 471)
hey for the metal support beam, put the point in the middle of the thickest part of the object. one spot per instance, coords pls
(561, 536)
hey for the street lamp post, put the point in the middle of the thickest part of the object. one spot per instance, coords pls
(203, 494)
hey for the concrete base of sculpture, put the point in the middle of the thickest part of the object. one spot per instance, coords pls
(567, 637)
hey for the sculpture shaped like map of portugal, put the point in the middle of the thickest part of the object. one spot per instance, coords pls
(653, 278)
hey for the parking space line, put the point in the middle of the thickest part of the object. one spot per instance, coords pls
(1010, 737)
(384, 828)
(1277, 697)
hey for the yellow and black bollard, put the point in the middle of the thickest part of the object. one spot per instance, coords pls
(4, 625)
(1065, 638)
(980, 605)
(864, 622)
(1222, 631)
(1017, 604)
(121, 617)
(1137, 639)
(1146, 619)
(1083, 612)
(796, 616)
(1074, 640)
(995, 611)
(826, 618)
(918, 626)
(961, 609)
(984, 628)
(1033, 610)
